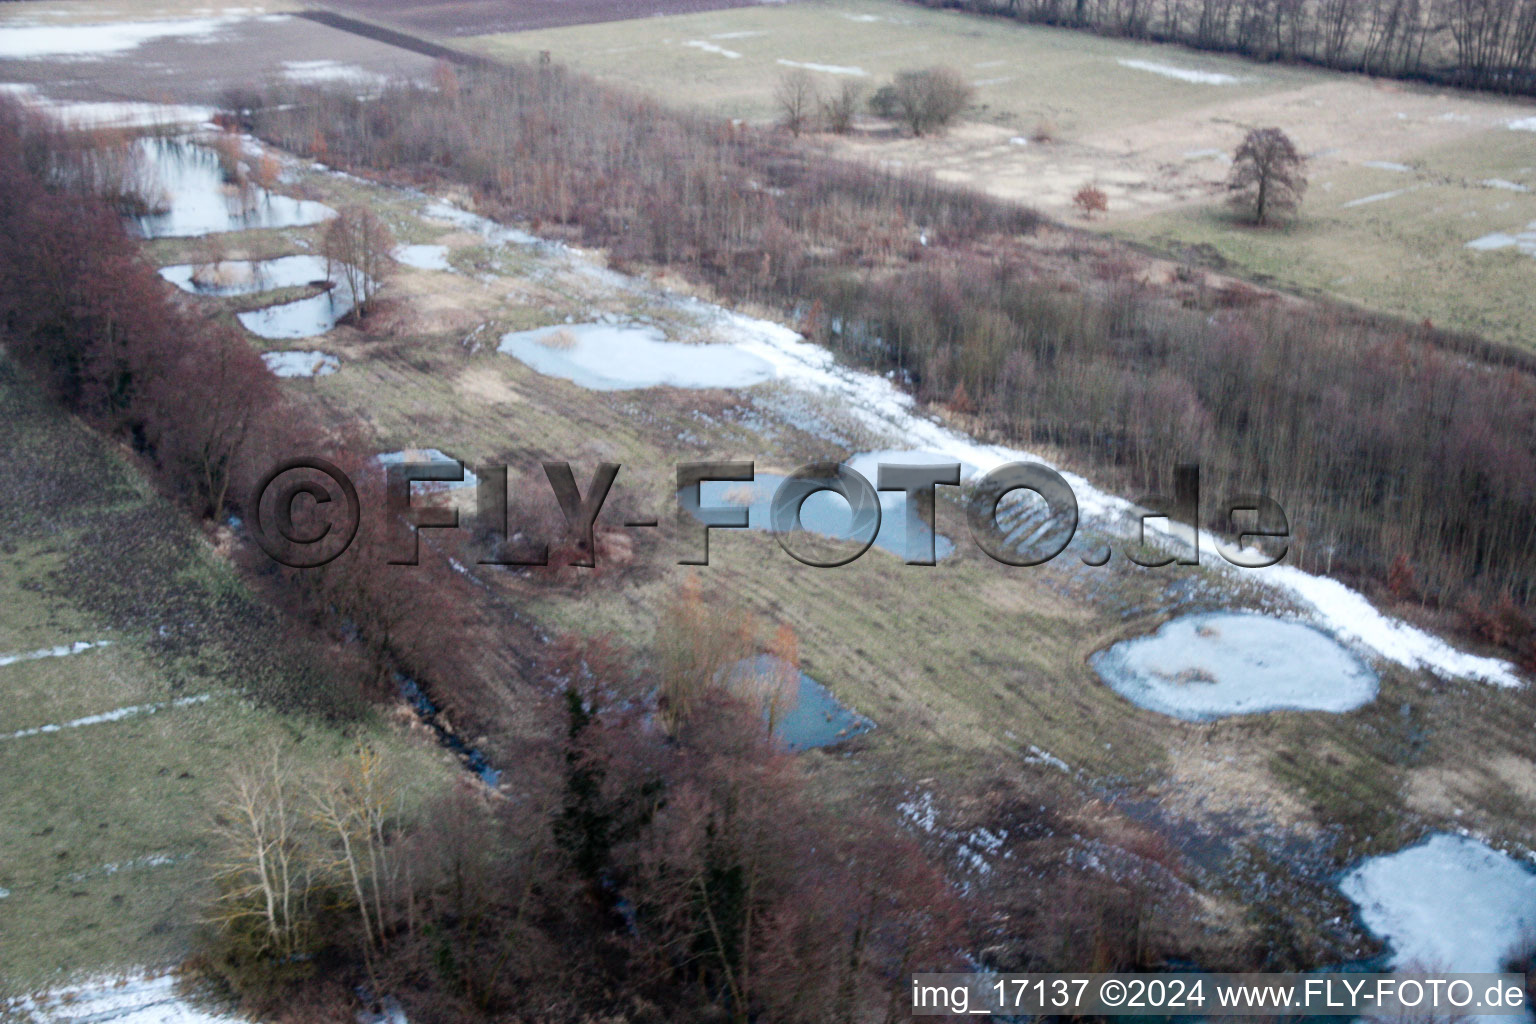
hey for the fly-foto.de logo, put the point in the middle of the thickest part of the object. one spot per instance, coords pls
(305, 513)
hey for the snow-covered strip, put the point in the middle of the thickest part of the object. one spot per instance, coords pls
(1525, 124)
(1377, 198)
(61, 651)
(115, 715)
(1507, 186)
(152, 860)
(80, 114)
(19, 42)
(880, 405)
(1388, 165)
(708, 47)
(140, 999)
(1182, 74)
(829, 69)
(311, 72)
(1039, 756)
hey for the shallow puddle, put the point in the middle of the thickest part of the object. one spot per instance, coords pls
(812, 717)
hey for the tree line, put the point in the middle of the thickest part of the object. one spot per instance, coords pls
(1478, 44)
(1404, 455)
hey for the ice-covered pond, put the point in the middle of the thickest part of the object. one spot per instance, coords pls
(1207, 666)
(824, 512)
(301, 318)
(186, 185)
(246, 277)
(617, 356)
(1450, 903)
(300, 364)
(812, 717)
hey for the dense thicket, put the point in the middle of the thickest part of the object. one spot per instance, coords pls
(1481, 44)
(1396, 456)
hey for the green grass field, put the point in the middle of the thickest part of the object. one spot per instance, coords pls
(102, 821)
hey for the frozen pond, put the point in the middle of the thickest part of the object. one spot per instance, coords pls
(1208, 666)
(245, 277)
(619, 356)
(1448, 904)
(300, 364)
(824, 512)
(301, 318)
(815, 718)
(194, 199)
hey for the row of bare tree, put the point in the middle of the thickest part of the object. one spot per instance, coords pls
(1483, 44)
(1385, 441)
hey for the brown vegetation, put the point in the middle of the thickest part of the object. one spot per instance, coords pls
(1379, 438)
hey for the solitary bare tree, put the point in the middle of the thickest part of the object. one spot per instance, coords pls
(797, 99)
(1267, 174)
(356, 246)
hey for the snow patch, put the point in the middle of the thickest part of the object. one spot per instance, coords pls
(1508, 186)
(1377, 198)
(423, 257)
(107, 1000)
(1388, 165)
(830, 69)
(300, 364)
(62, 651)
(708, 47)
(1525, 124)
(87, 42)
(116, 715)
(311, 72)
(1182, 74)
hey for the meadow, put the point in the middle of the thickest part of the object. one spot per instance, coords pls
(1153, 126)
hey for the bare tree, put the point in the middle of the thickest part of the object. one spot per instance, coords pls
(796, 98)
(357, 245)
(838, 109)
(263, 871)
(1267, 174)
